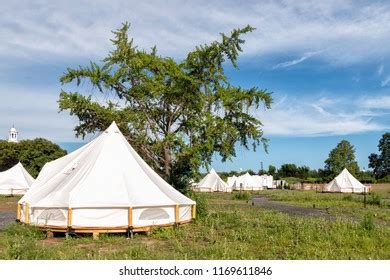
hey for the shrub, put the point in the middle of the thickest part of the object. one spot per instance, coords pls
(21, 241)
(374, 199)
(348, 197)
(201, 204)
(25, 231)
(385, 179)
(368, 222)
(242, 195)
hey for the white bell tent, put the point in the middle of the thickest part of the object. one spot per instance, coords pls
(246, 183)
(212, 183)
(263, 181)
(345, 182)
(231, 181)
(15, 181)
(104, 186)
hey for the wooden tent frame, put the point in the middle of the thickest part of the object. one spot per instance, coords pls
(96, 230)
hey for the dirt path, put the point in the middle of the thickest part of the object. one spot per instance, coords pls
(308, 212)
(291, 209)
(6, 217)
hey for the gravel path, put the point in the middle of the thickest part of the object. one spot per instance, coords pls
(6, 217)
(291, 209)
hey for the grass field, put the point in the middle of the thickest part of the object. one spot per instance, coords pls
(231, 229)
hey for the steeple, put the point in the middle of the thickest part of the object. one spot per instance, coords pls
(13, 135)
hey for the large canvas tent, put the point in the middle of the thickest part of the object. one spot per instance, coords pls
(212, 183)
(15, 181)
(104, 186)
(345, 182)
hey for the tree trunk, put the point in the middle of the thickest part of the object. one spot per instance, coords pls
(167, 162)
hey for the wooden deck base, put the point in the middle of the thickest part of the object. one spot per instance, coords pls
(97, 230)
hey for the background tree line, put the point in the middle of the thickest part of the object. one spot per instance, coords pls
(342, 156)
(33, 154)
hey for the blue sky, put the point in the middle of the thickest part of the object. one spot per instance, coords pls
(326, 62)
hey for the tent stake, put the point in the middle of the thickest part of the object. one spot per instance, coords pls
(130, 233)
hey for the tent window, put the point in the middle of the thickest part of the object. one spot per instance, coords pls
(52, 214)
(154, 214)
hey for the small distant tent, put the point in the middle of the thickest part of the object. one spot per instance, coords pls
(212, 183)
(268, 181)
(231, 181)
(245, 182)
(15, 181)
(259, 181)
(104, 186)
(263, 181)
(280, 184)
(345, 182)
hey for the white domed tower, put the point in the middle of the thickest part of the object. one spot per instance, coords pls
(13, 135)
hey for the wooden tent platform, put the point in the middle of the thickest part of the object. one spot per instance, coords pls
(95, 231)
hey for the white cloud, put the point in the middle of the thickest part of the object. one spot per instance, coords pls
(34, 113)
(50, 31)
(376, 102)
(380, 70)
(350, 31)
(318, 116)
(385, 82)
(295, 61)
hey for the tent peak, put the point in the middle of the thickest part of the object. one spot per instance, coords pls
(112, 128)
(345, 170)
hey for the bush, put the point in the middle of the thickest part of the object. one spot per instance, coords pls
(374, 199)
(33, 154)
(22, 242)
(25, 231)
(242, 195)
(201, 204)
(368, 222)
(385, 179)
(348, 197)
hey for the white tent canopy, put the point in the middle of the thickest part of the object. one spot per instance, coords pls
(250, 182)
(212, 183)
(231, 181)
(263, 181)
(104, 184)
(15, 181)
(245, 182)
(345, 182)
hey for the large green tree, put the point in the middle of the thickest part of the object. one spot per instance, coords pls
(289, 170)
(343, 156)
(381, 162)
(272, 170)
(176, 114)
(33, 154)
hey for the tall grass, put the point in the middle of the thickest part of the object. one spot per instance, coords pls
(201, 203)
(232, 229)
(242, 195)
(308, 198)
